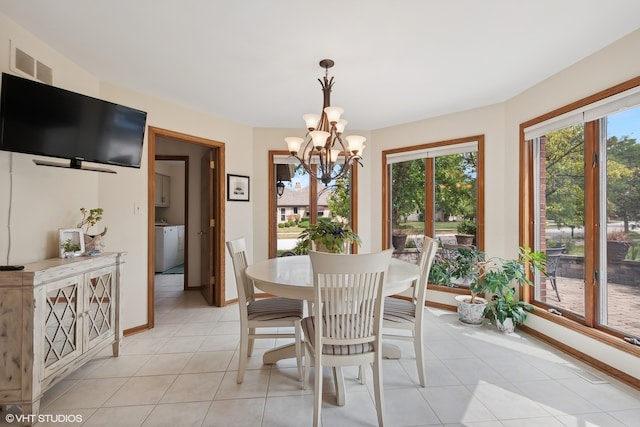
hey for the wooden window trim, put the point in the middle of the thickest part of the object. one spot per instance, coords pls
(386, 187)
(313, 206)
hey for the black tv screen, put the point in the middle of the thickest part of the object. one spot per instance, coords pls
(36, 118)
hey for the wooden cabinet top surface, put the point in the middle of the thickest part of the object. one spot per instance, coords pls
(46, 270)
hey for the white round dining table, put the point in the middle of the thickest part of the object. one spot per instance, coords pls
(291, 277)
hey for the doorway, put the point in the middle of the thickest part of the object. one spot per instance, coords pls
(170, 146)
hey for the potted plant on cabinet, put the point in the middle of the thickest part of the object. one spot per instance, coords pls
(90, 218)
(327, 235)
(70, 248)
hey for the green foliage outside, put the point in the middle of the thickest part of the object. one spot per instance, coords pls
(339, 201)
(455, 177)
(455, 188)
(623, 179)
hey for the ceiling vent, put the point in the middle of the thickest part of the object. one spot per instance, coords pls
(26, 65)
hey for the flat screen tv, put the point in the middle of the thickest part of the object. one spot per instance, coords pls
(36, 118)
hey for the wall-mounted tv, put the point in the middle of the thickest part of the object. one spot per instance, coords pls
(36, 118)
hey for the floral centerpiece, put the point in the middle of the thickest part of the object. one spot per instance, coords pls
(327, 235)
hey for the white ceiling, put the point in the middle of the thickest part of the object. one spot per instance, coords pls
(256, 61)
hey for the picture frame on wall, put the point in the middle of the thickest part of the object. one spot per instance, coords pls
(71, 242)
(237, 188)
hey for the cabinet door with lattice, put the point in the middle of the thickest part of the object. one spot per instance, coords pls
(99, 306)
(62, 312)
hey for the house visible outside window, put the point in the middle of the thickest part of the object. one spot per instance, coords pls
(305, 199)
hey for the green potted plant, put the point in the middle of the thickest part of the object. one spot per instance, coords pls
(466, 232)
(327, 235)
(501, 278)
(484, 276)
(507, 312)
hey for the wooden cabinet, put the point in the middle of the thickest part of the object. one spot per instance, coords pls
(162, 190)
(55, 315)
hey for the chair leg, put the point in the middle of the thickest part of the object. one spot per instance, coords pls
(252, 331)
(307, 366)
(554, 285)
(242, 354)
(419, 349)
(298, 339)
(377, 387)
(338, 379)
(317, 393)
(362, 374)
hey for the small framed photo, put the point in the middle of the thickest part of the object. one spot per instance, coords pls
(237, 188)
(71, 242)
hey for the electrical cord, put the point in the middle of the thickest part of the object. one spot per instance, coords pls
(9, 207)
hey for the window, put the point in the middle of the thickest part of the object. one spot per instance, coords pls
(584, 206)
(306, 199)
(436, 190)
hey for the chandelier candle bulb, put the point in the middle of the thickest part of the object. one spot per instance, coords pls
(294, 143)
(356, 143)
(334, 155)
(342, 123)
(319, 137)
(311, 120)
(333, 114)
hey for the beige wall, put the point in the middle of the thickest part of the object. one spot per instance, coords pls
(45, 199)
(54, 195)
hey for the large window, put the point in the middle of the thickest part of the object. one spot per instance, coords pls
(304, 200)
(584, 204)
(434, 190)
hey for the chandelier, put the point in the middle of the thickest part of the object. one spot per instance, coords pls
(323, 153)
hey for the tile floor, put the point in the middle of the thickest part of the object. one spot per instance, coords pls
(182, 373)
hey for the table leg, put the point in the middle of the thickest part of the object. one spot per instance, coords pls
(286, 351)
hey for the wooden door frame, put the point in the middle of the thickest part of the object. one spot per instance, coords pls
(219, 213)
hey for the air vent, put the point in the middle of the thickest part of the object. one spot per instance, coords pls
(28, 66)
(25, 63)
(44, 73)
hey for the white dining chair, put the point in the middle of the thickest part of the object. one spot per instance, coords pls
(262, 313)
(408, 315)
(344, 329)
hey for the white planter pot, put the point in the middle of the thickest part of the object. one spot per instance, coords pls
(471, 314)
(507, 327)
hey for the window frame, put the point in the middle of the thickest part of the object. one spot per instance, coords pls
(588, 325)
(430, 193)
(312, 213)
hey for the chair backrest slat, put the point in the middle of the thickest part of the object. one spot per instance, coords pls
(238, 254)
(348, 291)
